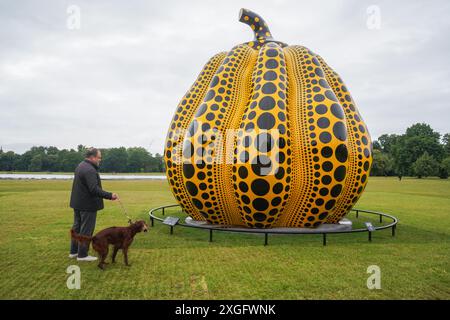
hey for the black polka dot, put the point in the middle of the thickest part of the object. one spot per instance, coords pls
(271, 64)
(210, 116)
(259, 216)
(339, 173)
(330, 204)
(327, 166)
(327, 152)
(201, 110)
(249, 126)
(205, 126)
(260, 187)
(280, 157)
(337, 111)
(197, 203)
(340, 131)
(330, 95)
(270, 75)
(269, 88)
(319, 98)
(323, 192)
(278, 188)
(201, 175)
(336, 190)
(280, 173)
(267, 103)
(214, 82)
(324, 84)
(243, 172)
(272, 53)
(266, 121)
(319, 72)
(323, 122)
(275, 201)
(210, 95)
(260, 204)
(325, 137)
(191, 188)
(243, 186)
(326, 179)
(188, 170)
(341, 153)
(321, 109)
(323, 215)
(366, 165)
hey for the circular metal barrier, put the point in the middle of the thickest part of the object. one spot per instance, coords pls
(297, 231)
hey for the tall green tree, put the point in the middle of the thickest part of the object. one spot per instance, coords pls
(8, 160)
(386, 142)
(69, 159)
(418, 139)
(382, 165)
(444, 168)
(425, 166)
(139, 160)
(114, 160)
(35, 163)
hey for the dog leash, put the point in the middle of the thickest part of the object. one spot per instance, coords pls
(125, 212)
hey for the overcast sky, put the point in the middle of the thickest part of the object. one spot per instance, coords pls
(117, 80)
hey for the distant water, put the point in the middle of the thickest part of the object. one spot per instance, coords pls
(43, 176)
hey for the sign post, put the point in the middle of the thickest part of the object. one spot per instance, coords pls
(171, 221)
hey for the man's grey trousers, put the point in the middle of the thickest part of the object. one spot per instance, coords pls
(83, 223)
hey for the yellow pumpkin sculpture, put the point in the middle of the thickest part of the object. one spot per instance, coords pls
(267, 136)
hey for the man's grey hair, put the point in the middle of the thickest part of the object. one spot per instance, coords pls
(91, 152)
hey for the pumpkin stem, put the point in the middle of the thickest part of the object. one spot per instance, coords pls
(258, 25)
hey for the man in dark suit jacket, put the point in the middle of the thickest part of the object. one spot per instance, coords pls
(86, 199)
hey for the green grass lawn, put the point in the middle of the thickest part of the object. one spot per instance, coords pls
(35, 221)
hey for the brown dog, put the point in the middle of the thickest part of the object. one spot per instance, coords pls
(119, 237)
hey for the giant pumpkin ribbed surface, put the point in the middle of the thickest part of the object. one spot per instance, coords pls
(267, 136)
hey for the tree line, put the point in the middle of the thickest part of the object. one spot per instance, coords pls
(52, 159)
(420, 152)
